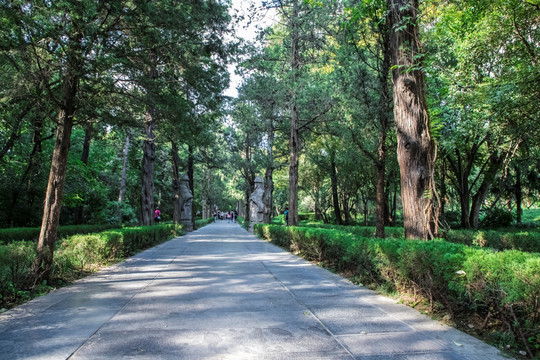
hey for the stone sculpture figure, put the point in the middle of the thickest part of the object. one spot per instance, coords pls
(186, 201)
(256, 215)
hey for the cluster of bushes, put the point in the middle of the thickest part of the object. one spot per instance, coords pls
(367, 231)
(501, 287)
(74, 256)
(524, 240)
(510, 239)
(9, 235)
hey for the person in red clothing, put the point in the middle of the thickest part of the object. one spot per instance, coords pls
(157, 215)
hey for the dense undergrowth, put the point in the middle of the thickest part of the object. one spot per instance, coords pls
(75, 256)
(500, 289)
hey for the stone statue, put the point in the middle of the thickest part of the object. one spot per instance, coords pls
(256, 215)
(186, 201)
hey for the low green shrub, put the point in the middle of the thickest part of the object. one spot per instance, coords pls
(497, 217)
(243, 223)
(9, 235)
(524, 240)
(367, 231)
(504, 286)
(203, 222)
(278, 220)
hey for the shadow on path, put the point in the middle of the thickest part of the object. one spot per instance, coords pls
(221, 293)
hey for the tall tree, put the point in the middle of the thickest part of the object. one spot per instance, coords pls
(165, 53)
(416, 149)
(60, 40)
(364, 55)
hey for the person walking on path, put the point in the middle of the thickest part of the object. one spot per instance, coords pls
(157, 216)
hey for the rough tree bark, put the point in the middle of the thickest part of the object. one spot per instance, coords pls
(79, 210)
(294, 140)
(42, 264)
(416, 150)
(177, 205)
(495, 162)
(123, 179)
(384, 108)
(334, 185)
(191, 177)
(149, 154)
(519, 194)
(268, 176)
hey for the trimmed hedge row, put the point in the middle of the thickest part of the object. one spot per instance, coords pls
(366, 231)
(203, 222)
(74, 256)
(9, 235)
(524, 240)
(502, 286)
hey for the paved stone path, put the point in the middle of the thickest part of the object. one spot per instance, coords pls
(221, 293)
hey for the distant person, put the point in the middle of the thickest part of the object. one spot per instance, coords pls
(157, 216)
(228, 217)
(235, 215)
(215, 216)
(198, 213)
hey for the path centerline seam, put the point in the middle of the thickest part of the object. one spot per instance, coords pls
(310, 311)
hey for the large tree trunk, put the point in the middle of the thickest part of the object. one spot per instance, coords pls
(334, 185)
(53, 197)
(294, 140)
(462, 183)
(123, 179)
(267, 196)
(495, 162)
(443, 188)
(346, 209)
(149, 154)
(519, 194)
(79, 210)
(268, 176)
(177, 201)
(381, 210)
(416, 150)
(385, 101)
(191, 177)
(316, 192)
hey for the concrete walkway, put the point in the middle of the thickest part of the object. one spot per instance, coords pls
(221, 293)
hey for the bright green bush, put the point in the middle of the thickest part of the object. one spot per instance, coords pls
(524, 240)
(203, 222)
